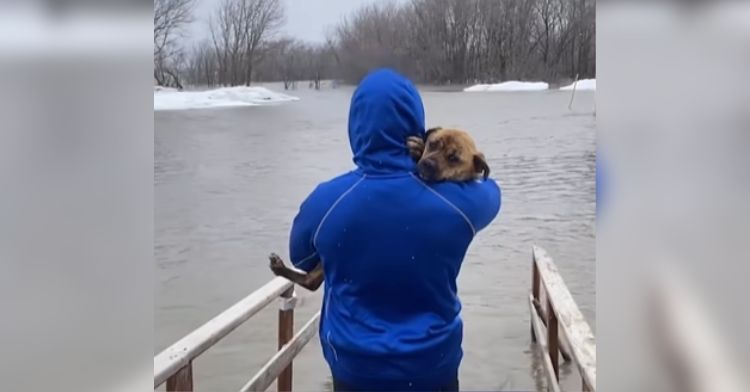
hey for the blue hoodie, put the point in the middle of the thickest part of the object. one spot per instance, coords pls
(391, 247)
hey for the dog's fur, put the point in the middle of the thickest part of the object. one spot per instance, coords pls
(443, 155)
(447, 155)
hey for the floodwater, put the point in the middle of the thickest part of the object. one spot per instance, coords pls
(228, 183)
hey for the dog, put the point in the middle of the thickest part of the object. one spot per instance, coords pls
(443, 155)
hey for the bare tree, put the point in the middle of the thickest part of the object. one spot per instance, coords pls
(461, 41)
(432, 41)
(202, 65)
(239, 30)
(374, 35)
(170, 17)
(281, 61)
(265, 18)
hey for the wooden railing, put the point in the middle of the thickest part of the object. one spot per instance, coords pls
(174, 365)
(560, 314)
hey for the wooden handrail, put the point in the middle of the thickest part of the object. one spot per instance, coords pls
(537, 329)
(175, 362)
(562, 314)
(283, 358)
(286, 330)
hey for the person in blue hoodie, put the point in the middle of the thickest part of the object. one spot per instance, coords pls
(391, 246)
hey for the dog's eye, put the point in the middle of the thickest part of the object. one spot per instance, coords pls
(433, 145)
(454, 158)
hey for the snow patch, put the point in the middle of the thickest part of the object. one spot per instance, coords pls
(583, 85)
(170, 99)
(162, 89)
(512, 85)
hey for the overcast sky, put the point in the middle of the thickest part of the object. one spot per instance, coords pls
(305, 19)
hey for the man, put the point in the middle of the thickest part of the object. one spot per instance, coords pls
(391, 247)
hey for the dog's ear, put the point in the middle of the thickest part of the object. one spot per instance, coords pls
(430, 131)
(480, 165)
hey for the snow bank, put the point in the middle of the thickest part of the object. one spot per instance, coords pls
(170, 99)
(585, 84)
(512, 85)
(164, 89)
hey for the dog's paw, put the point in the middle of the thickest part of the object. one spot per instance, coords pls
(415, 144)
(276, 264)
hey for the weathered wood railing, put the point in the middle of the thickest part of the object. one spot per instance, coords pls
(174, 365)
(561, 313)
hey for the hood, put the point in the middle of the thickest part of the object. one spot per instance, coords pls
(385, 109)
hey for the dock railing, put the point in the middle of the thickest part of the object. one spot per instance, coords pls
(553, 310)
(551, 306)
(174, 365)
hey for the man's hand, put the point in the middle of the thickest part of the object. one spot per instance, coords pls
(416, 147)
(276, 264)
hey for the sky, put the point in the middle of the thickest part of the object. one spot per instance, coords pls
(308, 20)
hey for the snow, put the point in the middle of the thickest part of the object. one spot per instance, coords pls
(512, 85)
(585, 84)
(171, 99)
(165, 89)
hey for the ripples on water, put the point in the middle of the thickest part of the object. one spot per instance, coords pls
(228, 183)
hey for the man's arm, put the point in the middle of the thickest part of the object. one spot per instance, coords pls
(310, 281)
(487, 198)
(478, 200)
(301, 248)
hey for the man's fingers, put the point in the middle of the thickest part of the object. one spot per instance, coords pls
(415, 141)
(416, 147)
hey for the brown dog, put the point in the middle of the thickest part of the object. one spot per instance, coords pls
(447, 155)
(443, 155)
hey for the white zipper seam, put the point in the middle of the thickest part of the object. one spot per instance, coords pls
(328, 339)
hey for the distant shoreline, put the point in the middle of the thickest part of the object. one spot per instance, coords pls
(433, 87)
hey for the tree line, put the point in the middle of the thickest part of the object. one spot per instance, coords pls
(431, 41)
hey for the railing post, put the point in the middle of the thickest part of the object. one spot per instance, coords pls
(534, 291)
(541, 311)
(553, 343)
(286, 332)
(182, 381)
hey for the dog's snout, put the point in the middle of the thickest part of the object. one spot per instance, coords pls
(427, 168)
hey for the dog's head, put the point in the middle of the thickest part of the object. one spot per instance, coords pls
(451, 155)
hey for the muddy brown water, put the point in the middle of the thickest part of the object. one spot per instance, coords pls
(229, 181)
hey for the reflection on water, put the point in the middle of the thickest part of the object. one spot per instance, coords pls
(229, 181)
